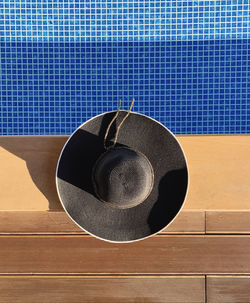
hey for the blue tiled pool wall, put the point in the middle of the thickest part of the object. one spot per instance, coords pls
(186, 63)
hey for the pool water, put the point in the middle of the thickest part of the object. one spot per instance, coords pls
(186, 63)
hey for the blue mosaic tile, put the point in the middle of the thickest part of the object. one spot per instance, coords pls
(186, 63)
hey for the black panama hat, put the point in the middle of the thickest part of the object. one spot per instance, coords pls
(128, 190)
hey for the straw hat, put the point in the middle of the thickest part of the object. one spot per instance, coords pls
(127, 188)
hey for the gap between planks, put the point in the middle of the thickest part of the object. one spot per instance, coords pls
(123, 275)
(102, 275)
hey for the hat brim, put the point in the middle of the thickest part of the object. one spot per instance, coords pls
(74, 178)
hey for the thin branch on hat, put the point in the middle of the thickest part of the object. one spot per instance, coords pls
(119, 126)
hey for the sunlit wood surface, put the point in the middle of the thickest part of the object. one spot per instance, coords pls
(202, 256)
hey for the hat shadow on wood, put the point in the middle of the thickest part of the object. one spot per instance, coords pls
(41, 154)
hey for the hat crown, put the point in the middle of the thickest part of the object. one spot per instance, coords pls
(122, 177)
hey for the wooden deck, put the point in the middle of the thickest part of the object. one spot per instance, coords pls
(203, 256)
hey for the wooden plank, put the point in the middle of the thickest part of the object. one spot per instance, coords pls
(219, 170)
(187, 221)
(228, 289)
(101, 290)
(228, 222)
(166, 254)
(42, 222)
(27, 175)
